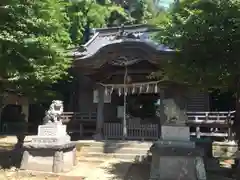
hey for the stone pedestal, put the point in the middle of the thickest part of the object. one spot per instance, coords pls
(175, 133)
(176, 157)
(50, 151)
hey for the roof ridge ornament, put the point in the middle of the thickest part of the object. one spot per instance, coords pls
(122, 34)
(124, 61)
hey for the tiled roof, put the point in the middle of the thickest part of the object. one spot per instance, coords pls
(104, 37)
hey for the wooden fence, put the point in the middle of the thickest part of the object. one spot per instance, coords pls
(79, 116)
(143, 131)
(202, 124)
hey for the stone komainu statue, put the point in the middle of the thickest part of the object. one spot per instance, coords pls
(53, 114)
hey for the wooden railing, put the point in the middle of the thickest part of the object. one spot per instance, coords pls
(215, 124)
(203, 124)
(142, 131)
(79, 116)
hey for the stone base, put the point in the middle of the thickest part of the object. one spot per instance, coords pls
(98, 137)
(173, 160)
(51, 139)
(49, 157)
(175, 132)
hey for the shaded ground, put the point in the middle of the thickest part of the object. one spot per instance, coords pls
(10, 159)
(141, 171)
(138, 172)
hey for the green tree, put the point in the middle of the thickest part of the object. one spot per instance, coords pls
(206, 36)
(86, 14)
(34, 36)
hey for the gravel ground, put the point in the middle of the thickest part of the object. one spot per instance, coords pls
(10, 161)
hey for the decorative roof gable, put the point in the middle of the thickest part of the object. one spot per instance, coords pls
(104, 37)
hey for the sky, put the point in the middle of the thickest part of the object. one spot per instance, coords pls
(165, 3)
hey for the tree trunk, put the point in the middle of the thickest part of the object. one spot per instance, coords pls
(236, 125)
(2, 105)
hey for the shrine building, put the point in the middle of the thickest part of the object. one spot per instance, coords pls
(116, 95)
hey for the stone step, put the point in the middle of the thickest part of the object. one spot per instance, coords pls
(99, 159)
(128, 150)
(123, 156)
(111, 143)
(92, 159)
(124, 150)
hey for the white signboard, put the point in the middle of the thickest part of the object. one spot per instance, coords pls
(120, 111)
(107, 97)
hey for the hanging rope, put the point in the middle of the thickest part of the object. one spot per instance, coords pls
(133, 88)
(130, 85)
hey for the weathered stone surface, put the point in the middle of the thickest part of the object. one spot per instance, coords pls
(162, 143)
(49, 159)
(50, 151)
(58, 162)
(52, 130)
(25, 158)
(74, 157)
(176, 151)
(172, 160)
(51, 140)
(51, 133)
(175, 105)
(182, 168)
(175, 133)
(39, 147)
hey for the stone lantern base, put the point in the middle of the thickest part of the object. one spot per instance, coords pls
(175, 157)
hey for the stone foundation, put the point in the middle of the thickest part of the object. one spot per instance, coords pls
(49, 158)
(175, 157)
(171, 161)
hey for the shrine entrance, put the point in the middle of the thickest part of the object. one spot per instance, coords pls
(143, 106)
(138, 106)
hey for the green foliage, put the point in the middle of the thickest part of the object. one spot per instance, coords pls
(33, 41)
(205, 34)
(141, 11)
(83, 13)
(35, 36)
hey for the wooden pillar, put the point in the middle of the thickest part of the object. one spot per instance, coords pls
(100, 111)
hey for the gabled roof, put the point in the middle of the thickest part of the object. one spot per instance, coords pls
(104, 37)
